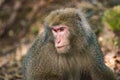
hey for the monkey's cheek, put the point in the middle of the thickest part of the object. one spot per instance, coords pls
(63, 50)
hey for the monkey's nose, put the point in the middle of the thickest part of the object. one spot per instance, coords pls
(58, 41)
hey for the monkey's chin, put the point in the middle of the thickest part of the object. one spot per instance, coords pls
(63, 50)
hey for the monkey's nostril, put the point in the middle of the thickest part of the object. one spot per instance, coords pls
(58, 41)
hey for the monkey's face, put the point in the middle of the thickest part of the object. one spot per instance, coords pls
(61, 38)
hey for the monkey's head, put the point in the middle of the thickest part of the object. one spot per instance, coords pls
(66, 28)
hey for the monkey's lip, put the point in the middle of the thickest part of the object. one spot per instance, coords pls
(61, 46)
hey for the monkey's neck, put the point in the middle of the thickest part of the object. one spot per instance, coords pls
(75, 65)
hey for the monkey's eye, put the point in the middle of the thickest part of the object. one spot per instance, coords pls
(62, 29)
(54, 30)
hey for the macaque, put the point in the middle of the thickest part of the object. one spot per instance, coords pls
(66, 50)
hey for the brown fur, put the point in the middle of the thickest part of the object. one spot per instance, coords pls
(84, 61)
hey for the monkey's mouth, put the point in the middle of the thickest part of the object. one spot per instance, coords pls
(60, 46)
(63, 49)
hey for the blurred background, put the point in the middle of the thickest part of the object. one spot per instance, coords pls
(22, 20)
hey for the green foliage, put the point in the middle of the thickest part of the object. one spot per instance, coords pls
(35, 30)
(112, 18)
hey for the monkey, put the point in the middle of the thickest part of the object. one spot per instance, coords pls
(67, 49)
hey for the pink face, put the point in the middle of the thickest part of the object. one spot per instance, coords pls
(61, 34)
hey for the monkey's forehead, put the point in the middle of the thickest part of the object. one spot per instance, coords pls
(62, 16)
